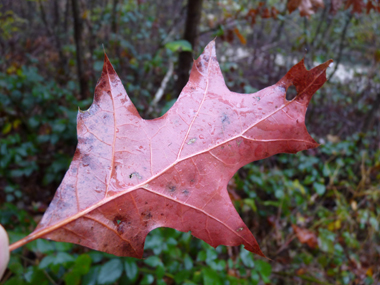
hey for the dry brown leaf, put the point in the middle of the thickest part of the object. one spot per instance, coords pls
(306, 236)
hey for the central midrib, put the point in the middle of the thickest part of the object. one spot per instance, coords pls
(114, 134)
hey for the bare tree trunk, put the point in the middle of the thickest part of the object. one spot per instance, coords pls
(185, 59)
(83, 80)
(67, 15)
(370, 118)
(114, 17)
(58, 34)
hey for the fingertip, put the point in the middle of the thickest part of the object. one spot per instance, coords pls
(4, 251)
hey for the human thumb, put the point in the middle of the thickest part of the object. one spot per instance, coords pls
(4, 251)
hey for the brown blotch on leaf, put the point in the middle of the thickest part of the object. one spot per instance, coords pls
(146, 215)
(171, 188)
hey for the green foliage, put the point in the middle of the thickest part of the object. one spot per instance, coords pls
(36, 123)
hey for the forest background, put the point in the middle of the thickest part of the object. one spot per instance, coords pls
(316, 214)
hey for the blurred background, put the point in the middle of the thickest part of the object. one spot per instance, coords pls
(316, 214)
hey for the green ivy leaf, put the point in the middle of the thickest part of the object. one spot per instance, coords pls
(211, 276)
(92, 275)
(319, 188)
(82, 264)
(181, 45)
(188, 262)
(131, 269)
(15, 281)
(110, 272)
(264, 269)
(72, 278)
(153, 261)
(247, 258)
(147, 279)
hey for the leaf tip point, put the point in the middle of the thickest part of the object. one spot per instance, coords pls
(211, 45)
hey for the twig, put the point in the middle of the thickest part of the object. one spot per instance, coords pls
(303, 277)
(341, 44)
(307, 47)
(43, 16)
(160, 91)
(49, 277)
(321, 21)
(285, 245)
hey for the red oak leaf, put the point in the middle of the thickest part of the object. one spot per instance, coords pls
(130, 175)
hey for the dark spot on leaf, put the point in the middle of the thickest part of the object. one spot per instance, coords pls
(127, 248)
(171, 188)
(225, 119)
(135, 174)
(146, 215)
(186, 192)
